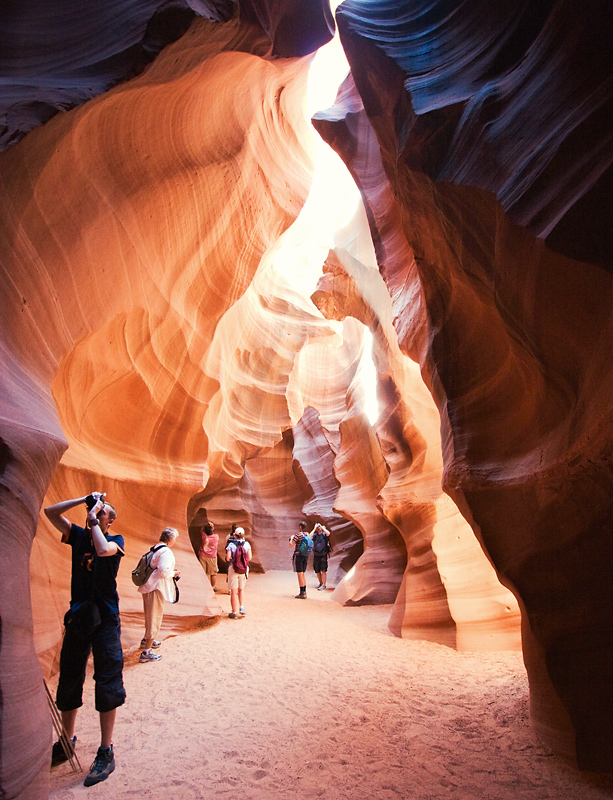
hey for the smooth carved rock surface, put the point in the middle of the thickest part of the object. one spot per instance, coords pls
(515, 344)
(514, 99)
(111, 295)
(185, 317)
(53, 58)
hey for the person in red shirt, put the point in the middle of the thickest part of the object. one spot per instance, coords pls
(207, 555)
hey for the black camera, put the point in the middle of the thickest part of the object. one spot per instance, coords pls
(90, 501)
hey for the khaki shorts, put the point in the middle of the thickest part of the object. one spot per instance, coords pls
(209, 565)
(236, 581)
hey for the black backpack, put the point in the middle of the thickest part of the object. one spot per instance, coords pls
(143, 570)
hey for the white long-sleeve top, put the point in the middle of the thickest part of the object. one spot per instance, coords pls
(161, 578)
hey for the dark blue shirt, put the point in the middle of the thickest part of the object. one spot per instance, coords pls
(94, 576)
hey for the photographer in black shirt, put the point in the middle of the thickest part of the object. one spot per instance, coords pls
(91, 625)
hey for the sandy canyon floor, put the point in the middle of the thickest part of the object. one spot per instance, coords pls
(313, 700)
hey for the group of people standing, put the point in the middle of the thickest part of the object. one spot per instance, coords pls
(317, 541)
(92, 622)
(238, 555)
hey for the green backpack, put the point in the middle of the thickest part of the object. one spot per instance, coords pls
(306, 545)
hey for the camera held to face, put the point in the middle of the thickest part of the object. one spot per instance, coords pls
(237, 535)
(91, 500)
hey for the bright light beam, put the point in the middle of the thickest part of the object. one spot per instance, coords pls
(368, 378)
(328, 70)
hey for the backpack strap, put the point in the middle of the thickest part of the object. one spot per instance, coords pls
(156, 548)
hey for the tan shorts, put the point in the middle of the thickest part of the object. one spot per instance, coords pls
(236, 581)
(209, 565)
(153, 606)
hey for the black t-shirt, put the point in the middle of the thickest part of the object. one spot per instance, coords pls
(90, 571)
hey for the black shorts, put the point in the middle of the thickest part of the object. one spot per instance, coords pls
(320, 562)
(300, 562)
(108, 667)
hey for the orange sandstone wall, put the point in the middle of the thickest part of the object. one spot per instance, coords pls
(128, 228)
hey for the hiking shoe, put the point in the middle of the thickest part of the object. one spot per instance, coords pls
(147, 655)
(103, 765)
(242, 611)
(58, 756)
(301, 596)
(143, 642)
(232, 615)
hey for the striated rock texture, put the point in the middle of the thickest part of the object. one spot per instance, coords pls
(191, 290)
(56, 57)
(120, 254)
(512, 333)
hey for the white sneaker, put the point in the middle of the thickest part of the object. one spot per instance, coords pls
(242, 611)
(148, 655)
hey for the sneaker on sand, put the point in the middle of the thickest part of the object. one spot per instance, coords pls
(242, 611)
(147, 655)
(232, 615)
(58, 756)
(143, 642)
(321, 588)
(103, 765)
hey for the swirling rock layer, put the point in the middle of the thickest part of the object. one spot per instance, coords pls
(515, 347)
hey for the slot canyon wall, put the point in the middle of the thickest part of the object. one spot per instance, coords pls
(188, 303)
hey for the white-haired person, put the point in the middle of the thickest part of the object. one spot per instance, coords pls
(158, 588)
(238, 556)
